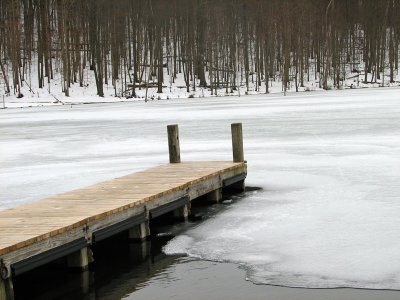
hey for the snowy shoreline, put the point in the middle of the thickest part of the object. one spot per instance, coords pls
(75, 100)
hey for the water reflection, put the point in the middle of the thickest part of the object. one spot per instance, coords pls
(120, 267)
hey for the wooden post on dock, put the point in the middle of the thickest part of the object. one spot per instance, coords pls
(175, 157)
(237, 142)
(237, 150)
(173, 144)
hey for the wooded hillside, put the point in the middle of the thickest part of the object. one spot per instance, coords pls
(213, 43)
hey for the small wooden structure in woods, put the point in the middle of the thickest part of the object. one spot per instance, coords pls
(66, 225)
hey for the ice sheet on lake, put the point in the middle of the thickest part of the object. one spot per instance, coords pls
(328, 163)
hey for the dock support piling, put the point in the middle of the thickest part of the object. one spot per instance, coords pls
(215, 195)
(182, 213)
(237, 149)
(173, 144)
(140, 232)
(6, 289)
(80, 259)
(86, 278)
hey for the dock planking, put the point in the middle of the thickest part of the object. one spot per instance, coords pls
(61, 225)
(39, 220)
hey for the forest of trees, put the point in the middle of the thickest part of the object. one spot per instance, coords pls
(213, 44)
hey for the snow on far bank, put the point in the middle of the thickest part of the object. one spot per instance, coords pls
(51, 94)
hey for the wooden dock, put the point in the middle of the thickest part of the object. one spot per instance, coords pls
(66, 225)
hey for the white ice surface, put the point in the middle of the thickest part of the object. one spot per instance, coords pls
(328, 163)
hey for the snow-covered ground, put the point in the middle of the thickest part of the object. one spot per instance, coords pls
(51, 94)
(328, 163)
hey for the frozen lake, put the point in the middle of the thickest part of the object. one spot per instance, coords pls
(328, 164)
